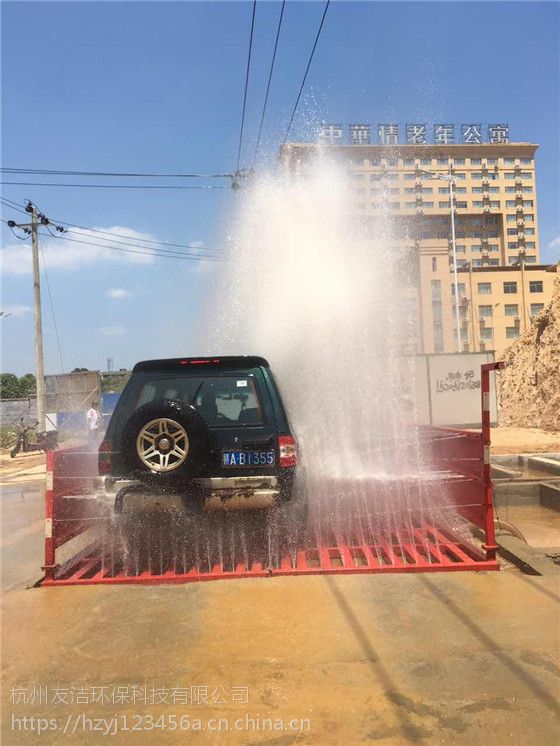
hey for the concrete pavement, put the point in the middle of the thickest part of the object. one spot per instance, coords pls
(454, 658)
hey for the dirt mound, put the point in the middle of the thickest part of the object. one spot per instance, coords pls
(529, 386)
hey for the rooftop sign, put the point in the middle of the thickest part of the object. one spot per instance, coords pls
(415, 134)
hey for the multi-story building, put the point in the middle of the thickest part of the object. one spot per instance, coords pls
(496, 229)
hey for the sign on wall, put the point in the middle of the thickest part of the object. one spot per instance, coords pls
(395, 133)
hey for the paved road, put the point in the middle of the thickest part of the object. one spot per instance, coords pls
(457, 658)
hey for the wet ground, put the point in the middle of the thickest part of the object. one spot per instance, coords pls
(452, 658)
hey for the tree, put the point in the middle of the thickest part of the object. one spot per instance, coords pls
(79, 370)
(27, 386)
(9, 386)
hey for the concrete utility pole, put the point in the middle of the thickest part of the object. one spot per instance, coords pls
(39, 359)
(33, 229)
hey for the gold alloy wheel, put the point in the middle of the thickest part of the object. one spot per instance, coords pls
(162, 444)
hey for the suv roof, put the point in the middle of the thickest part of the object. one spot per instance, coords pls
(237, 361)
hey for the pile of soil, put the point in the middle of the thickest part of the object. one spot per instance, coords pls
(529, 386)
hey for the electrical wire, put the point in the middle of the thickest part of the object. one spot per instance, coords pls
(246, 84)
(110, 186)
(156, 252)
(116, 174)
(55, 325)
(116, 237)
(269, 81)
(306, 72)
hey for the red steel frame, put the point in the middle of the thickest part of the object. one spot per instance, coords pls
(424, 548)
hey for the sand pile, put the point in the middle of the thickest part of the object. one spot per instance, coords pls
(529, 387)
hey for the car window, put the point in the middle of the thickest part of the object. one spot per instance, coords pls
(221, 400)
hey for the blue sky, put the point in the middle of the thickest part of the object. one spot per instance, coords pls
(158, 87)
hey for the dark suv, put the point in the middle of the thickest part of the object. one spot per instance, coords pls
(213, 431)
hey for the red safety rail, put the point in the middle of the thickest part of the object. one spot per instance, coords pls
(424, 534)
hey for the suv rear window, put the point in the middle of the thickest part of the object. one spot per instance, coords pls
(221, 400)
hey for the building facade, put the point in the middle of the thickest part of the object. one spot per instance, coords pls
(496, 229)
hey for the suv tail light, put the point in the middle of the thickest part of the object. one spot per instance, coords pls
(105, 457)
(288, 452)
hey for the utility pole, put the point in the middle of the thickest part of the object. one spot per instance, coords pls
(33, 229)
(38, 323)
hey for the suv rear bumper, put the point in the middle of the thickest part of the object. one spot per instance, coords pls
(209, 493)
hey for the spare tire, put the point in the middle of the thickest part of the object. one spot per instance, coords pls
(165, 442)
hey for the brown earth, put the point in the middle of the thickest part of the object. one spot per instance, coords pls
(529, 385)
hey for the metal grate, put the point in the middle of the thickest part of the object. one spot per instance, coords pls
(424, 549)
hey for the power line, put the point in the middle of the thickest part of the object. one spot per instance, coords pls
(116, 174)
(246, 84)
(269, 81)
(156, 252)
(55, 325)
(110, 186)
(115, 236)
(306, 71)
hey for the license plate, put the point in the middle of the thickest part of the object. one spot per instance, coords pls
(248, 458)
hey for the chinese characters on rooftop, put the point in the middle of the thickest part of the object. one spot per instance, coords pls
(415, 134)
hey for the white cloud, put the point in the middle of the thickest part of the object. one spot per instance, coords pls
(16, 310)
(112, 331)
(118, 293)
(66, 252)
(554, 245)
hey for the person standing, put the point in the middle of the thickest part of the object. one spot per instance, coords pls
(93, 418)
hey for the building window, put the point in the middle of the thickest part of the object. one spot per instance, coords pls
(427, 204)
(512, 244)
(530, 260)
(410, 190)
(476, 161)
(460, 190)
(434, 263)
(528, 218)
(493, 190)
(536, 308)
(375, 162)
(512, 231)
(510, 190)
(459, 161)
(409, 177)
(512, 332)
(410, 204)
(477, 190)
(492, 161)
(495, 203)
(509, 161)
(487, 334)
(442, 205)
(484, 288)
(511, 218)
(460, 288)
(529, 244)
(442, 161)
(510, 203)
(509, 176)
(526, 190)
(460, 204)
(535, 286)
(460, 176)
(485, 312)
(477, 203)
(527, 203)
(510, 287)
(427, 190)
(460, 249)
(408, 162)
(477, 175)
(511, 309)
(426, 161)
(526, 161)
(525, 174)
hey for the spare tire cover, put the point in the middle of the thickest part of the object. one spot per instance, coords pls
(165, 442)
